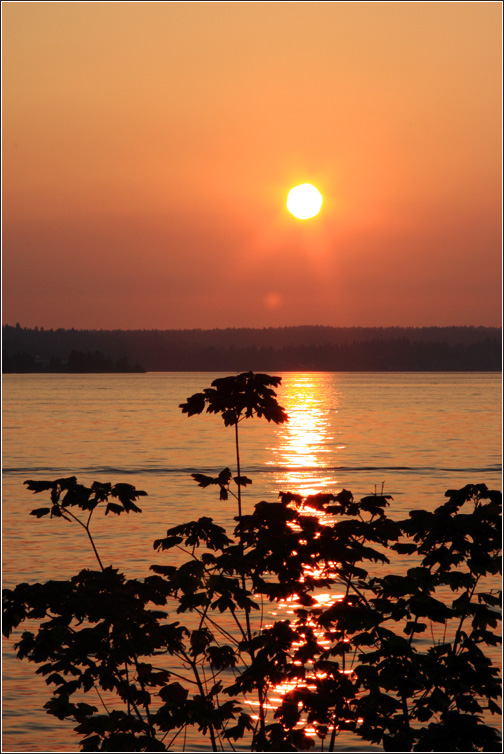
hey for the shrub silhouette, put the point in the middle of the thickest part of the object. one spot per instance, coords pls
(354, 655)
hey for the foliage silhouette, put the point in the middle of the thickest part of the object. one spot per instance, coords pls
(354, 655)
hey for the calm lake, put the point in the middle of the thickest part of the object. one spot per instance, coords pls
(418, 434)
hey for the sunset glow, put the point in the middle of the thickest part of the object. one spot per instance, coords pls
(148, 150)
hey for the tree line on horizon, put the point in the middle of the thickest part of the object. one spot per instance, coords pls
(307, 348)
(78, 362)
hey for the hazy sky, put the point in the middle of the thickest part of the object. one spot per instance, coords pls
(149, 149)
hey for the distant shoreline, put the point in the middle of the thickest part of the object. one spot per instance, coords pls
(283, 371)
(289, 349)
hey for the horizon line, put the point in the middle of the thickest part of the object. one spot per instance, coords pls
(42, 328)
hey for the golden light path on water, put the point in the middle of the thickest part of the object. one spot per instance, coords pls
(301, 456)
(304, 441)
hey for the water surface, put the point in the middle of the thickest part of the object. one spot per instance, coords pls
(417, 434)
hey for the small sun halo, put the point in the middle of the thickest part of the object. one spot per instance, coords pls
(304, 201)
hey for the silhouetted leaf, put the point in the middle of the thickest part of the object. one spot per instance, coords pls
(127, 494)
(167, 543)
(404, 548)
(224, 476)
(39, 512)
(242, 480)
(113, 508)
(414, 627)
(244, 723)
(204, 480)
(375, 504)
(38, 486)
(289, 497)
(194, 405)
(78, 495)
(221, 657)
(129, 506)
(65, 483)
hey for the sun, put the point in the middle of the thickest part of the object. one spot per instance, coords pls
(304, 201)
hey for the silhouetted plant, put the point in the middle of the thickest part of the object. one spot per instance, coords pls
(237, 398)
(354, 656)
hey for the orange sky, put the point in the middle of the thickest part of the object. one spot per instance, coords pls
(149, 147)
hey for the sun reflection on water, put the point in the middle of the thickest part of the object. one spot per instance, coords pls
(287, 609)
(304, 456)
(306, 440)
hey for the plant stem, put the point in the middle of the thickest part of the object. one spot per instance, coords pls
(464, 616)
(413, 630)
(94, 548)
(262, 715)
(245, 636)
(405, 712)
(333, 736)
(146, 704)
(174, 737)
(225, 633)
(192, 663)
(238, 469)
(237, 447)
(86, 527)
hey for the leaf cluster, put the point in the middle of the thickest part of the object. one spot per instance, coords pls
(239, 397)
(67, 493)
(223, 480)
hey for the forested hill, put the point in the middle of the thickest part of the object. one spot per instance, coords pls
(270, 349)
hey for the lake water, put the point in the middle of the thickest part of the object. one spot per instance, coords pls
(418, 434)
